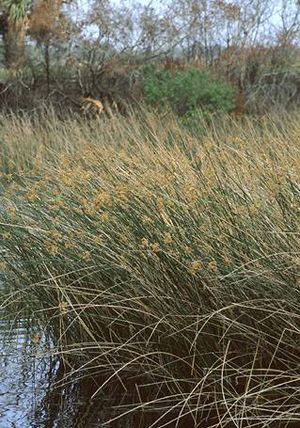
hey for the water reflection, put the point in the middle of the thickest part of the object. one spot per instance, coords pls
(22, 378)
(33, 390)
(38, 390)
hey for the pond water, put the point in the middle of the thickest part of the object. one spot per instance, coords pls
(28, 375)
(33, 393)
(23, 380)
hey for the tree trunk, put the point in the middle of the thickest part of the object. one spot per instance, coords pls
(14, 43)
(47, 67)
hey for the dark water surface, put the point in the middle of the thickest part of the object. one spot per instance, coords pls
(29, 374)
(37, 390)
(22, 375)
(33, 390)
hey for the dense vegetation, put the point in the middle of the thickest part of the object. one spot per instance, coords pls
(150, 205)
(187, 91)
(54, 52)
(161, 260)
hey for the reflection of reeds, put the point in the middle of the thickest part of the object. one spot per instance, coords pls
(163, 258)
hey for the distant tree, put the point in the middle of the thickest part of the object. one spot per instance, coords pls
(13, 28)
(48, 24)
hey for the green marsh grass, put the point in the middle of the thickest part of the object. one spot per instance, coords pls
(162, 259)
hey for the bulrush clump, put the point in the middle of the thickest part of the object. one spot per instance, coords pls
(152, 266)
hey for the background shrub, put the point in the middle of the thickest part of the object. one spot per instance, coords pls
(187, 91)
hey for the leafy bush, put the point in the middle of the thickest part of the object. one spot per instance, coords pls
(187, 91)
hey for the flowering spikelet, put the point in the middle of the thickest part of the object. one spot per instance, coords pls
(155, 248)
(86, 255)
(145, 243)
(63, 308)
(3, 266)
(31, 195)
(212, 266)
(122, 193)
(147, 220)
(55, 235)
(69, 245)
(160, 203)
(51, 248)
(98, 240)
(12, 213)
(167, 239)
(6, 236)
(124, 238)
(104, 217)
(195, 266)
(226, 261)
(102, 199)
(36, 339)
